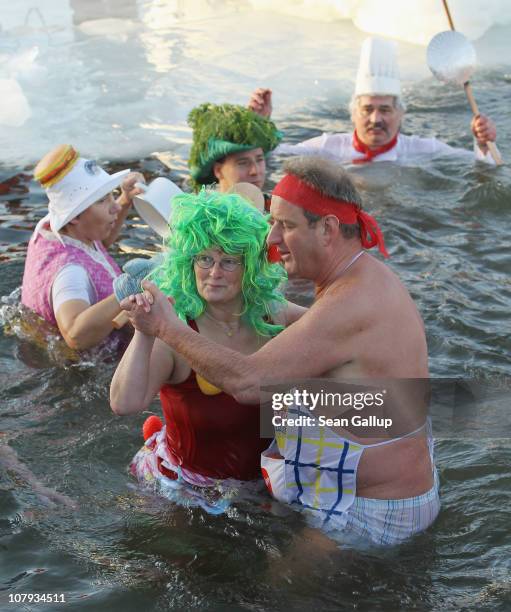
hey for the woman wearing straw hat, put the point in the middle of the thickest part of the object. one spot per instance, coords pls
(226, 289)
(68, 273)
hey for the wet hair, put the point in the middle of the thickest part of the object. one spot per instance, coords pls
(228, 222)
(398, 102)
(329, 179)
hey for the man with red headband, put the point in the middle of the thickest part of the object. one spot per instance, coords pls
(363, 324)
(377, 111)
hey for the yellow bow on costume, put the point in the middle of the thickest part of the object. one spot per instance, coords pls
(206, 387)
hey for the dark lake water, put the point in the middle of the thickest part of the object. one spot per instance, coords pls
(447, 226)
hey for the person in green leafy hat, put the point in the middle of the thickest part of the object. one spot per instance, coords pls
(229, 146)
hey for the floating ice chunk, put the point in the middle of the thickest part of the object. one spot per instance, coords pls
(324, 10)
(22, 62)
(414, 22)
(417, 22)
(113, 29)
(14, 110)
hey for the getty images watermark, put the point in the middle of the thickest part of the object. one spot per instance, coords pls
(389, 408)
(291, 409)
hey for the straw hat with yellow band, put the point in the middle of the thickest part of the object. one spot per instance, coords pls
(72, 184)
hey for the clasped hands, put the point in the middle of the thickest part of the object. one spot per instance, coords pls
(151, 311)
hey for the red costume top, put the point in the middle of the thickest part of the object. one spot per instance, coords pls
(212, 435)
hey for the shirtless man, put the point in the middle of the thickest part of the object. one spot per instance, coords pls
(363, 324)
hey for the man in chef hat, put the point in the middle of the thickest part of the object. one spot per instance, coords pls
(377, 111)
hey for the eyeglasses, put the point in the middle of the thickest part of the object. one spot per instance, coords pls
(228, 264)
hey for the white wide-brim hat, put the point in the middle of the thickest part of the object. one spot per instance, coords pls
(82, 186)
(378, 70)
(154, 204)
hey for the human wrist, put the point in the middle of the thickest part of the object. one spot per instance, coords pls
(171, 332)
(124, 200)
(143, 341)
(482, 146)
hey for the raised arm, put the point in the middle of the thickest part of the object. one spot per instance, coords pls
(260, 102)
(484, 131)
(308, 348)
(145, 366)
(128, 192)
(84, 326)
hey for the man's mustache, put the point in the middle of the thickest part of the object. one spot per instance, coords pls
(377, 126)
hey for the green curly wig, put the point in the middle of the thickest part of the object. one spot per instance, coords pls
(226, 221)
(222, 129)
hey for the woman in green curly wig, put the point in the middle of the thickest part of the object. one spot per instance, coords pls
(224, 223)
(230, 144)
(224, 287)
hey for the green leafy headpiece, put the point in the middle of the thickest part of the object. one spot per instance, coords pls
(222, 129)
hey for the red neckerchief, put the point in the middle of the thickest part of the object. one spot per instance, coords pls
(361, 147)
(296, 192)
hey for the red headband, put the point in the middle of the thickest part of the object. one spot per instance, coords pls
(295, 191)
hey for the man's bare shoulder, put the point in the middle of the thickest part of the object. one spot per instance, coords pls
(349, 284)
(362, 293)
(342, 309)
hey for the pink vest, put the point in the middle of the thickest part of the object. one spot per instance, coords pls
(45, 258)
